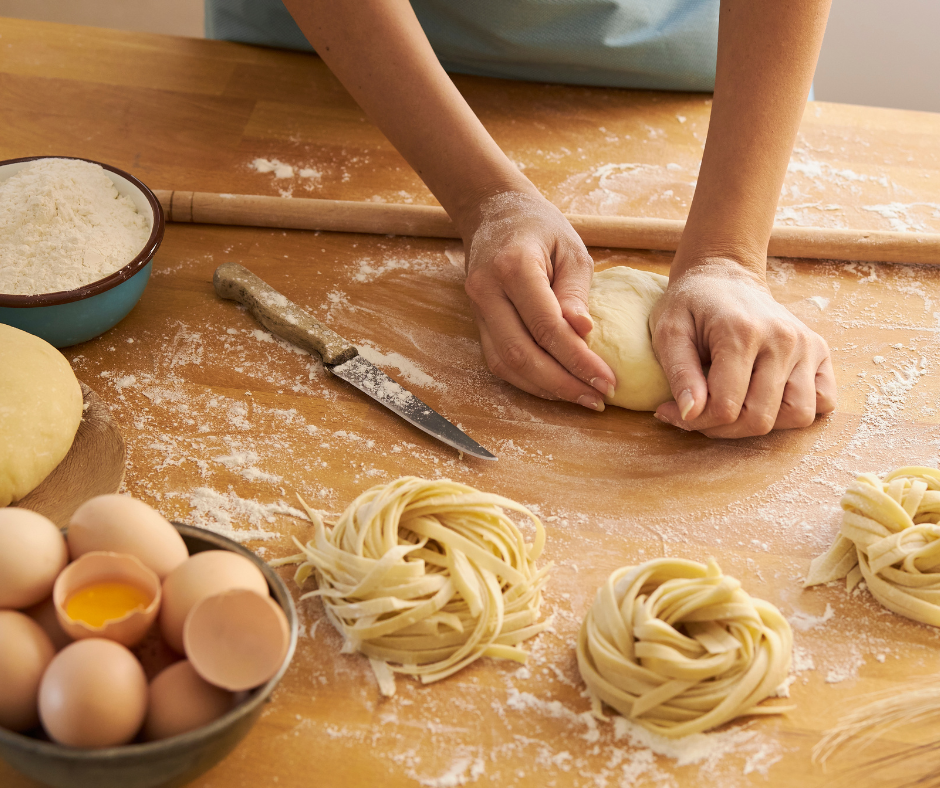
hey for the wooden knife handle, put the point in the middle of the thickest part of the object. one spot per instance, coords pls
(280, 316)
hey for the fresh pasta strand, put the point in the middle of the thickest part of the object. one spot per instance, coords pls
(890, 537)
(680, 648)
(425, 577)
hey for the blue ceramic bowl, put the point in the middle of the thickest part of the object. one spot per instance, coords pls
(73, 316)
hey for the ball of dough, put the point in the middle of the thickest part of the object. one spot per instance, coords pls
(620, 302)
(40, 410)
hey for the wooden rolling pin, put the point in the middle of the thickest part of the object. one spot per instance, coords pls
(620, 232)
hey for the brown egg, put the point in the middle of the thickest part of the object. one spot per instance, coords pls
(237, 639)
(153, 652)
(93, 694)
(44, 614)
(108, 595)
(202, 575)
(25, 651)
(181, 701)
(121, 524)
(32, 553)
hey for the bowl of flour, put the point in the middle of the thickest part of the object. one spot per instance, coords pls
(77, 239)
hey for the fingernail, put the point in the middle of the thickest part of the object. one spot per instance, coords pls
(588, 401)
(603, 386)
(686, 402)
(663, 419)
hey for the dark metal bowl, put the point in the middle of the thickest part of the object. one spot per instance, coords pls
(168, 762)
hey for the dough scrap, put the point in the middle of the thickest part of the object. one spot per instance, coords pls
(620, 302)
(425, 577)
(679, 648)
(890, 537)
(40, 410)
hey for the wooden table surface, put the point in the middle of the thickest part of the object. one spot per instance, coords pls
(224, 424)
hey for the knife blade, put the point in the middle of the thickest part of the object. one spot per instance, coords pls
(284, 318)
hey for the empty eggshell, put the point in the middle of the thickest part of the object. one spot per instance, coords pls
(32, 553)
(180, 701)
(201, 575)
(93, 694)
(121, 524)
(25, 651)
(237, 639)
(93, 568)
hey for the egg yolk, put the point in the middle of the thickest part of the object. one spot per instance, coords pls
(99, 603)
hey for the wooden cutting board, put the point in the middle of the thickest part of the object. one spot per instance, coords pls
(93, 466)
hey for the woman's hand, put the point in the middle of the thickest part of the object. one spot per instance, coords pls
(528, 275)
(767, 369)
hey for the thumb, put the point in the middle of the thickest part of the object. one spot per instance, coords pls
(674, 346)
(571, 283)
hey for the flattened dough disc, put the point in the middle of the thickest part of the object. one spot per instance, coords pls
(40, 410)
(620, 302)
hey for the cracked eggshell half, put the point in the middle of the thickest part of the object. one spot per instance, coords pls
(202, 575)
(236, 640)
(130, 626)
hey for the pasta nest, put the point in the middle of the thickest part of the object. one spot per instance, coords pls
(890, 537)
(424, 577)
(680, 648)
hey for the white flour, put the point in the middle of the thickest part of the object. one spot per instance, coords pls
(64, 225)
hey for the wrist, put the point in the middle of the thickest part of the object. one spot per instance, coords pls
(468, 210)
(727, 264)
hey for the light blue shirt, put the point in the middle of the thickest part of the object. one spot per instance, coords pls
(655, 44)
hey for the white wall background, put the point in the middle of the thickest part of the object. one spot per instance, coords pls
(882, 53)
(174, 17)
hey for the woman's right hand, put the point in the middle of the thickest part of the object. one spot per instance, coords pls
(528, 276)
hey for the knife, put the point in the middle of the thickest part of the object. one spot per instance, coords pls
(284, 318)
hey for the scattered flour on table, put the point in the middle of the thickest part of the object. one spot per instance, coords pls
(408, 369)
(219, 512)
(64, 225)
(279, 168)
(803, 621)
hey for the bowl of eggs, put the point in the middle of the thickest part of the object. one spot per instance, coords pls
(134, 652)
(79, 239)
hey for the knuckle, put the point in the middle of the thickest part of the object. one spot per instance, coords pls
(804, 415)
(678, 371)
(475, 286)
(762, 423)
(825, 402)
(726, 411)
(665, 333)
(747, 330)
(543, 330)
(505, 262)
(789, 337)
(513, 356)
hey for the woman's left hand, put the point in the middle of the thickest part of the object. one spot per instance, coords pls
(767, 371)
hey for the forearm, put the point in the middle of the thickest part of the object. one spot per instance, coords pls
(767, 52)
(378, 50)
